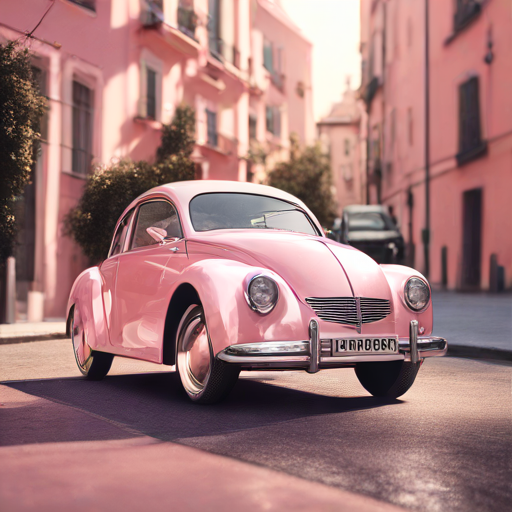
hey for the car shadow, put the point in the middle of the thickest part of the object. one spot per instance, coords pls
(155, 405)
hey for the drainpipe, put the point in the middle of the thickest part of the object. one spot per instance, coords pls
(426, 231)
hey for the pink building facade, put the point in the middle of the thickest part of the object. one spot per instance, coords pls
(342, 134)
(470, 134)
(114, 72)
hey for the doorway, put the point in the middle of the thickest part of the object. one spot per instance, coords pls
(472, 238)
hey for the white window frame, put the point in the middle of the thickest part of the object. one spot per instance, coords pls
(148, 60)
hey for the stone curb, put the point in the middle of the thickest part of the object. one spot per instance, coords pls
(9, 340)
(453, 350)
(479, 352)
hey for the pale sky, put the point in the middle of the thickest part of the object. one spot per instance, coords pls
(333, 28)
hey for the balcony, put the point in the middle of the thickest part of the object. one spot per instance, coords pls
(277, 79)
(152, 14)
(223, 143)
(371, 90)
(180, 33)
(187, 21)
(222, 51)
(467, 11)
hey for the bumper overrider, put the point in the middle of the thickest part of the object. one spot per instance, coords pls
(315, 353)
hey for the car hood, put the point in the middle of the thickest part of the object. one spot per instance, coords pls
(313, 266)
(372, 236)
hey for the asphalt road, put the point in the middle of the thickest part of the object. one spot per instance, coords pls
(444, 446)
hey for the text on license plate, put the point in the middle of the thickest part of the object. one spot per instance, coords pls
(387, 345)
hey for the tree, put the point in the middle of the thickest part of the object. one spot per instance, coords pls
(109, 190)
(178, 137)
(21, 106)
(307, 175)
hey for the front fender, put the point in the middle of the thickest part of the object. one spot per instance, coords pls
(221, 286)
(397, 276)
(86, 295)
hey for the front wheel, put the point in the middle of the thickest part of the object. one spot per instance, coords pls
(92, 364)
(388, 379)
(206, 380)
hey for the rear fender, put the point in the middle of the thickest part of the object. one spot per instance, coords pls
(221, 286)
(86, 295)
(397, 276)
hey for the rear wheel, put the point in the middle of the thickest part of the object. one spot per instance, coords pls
(390, 379)
(92, 364)
(205, 379)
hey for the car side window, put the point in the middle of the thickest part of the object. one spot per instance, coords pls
(155, 214)
(120, 236)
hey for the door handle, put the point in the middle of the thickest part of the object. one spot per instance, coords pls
(174, 249)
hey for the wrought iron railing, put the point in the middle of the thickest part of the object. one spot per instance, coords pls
(187, 21)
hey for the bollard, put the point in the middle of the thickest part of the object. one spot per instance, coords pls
(493, 274)
(10, 299)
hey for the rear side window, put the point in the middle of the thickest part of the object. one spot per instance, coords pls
(155, 214)
(120, 236)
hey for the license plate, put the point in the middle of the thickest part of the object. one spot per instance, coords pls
(344, 346)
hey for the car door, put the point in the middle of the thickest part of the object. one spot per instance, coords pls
(141, 297)
(108, 268)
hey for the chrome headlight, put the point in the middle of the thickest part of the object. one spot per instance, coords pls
(417, 294)
(262, 294)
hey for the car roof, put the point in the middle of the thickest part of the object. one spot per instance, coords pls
(366, 208)
(182, 192)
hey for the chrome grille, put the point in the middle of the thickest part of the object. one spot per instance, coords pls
(343, 310)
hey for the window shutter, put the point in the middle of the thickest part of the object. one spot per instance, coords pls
(143, 100)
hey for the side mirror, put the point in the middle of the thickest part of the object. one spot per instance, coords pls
(157, 234)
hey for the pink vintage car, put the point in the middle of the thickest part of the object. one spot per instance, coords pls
(217, 277)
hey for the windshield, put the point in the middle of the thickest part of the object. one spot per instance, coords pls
(247, 211)
(370, 221)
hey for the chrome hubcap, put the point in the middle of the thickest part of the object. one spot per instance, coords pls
(80, 347)
(194, 357)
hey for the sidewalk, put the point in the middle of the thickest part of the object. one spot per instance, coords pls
(37, 331)
(475, 325)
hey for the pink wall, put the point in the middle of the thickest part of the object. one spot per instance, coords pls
(455, 57)
(108, 51)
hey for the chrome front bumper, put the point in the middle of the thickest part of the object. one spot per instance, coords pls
(314, 354)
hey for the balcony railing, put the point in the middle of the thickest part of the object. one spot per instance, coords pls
(152, 14)
(278, 79)
(223, 143)
(371, 90)
(466, 11)
(227, 145)
(223, 51)
(187, 21)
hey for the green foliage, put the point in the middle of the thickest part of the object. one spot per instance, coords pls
(110, 190)
(21, 106)
(307, 175)
(178, 137)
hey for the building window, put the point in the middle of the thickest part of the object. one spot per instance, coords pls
(347, 147)
(253, 120)
(150, 87)
(211, 124)
(410, 126)
(273, 120)
(82, 128)
(88, 4)
(214, 40)
(268, 55)
(187, 18)
(151, 93)
(470, 137)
